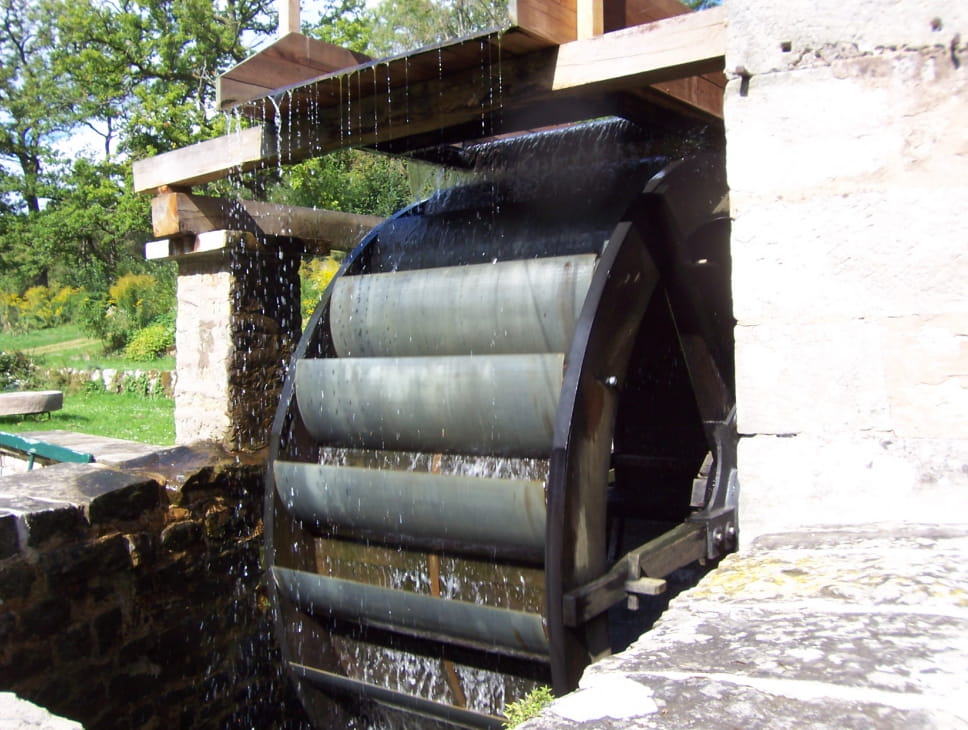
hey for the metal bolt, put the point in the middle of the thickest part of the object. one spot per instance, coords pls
(730, 530)
(611, 381)
(718, 536)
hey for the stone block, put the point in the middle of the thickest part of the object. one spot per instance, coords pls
(28, 715)
(49, 522)
(129, 498)
(107, 629)
(108, 493)
(47, 617)
(926, 369)
(181, 536)
(74, 644)
(810, 480)
(852, 256)
(8, 625)
(17, 577)
(9, 534)
(79, 563)
(815, 378)
(760, 32)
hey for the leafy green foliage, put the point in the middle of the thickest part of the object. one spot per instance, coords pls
(314, 276)
(39, 308)
(137, 74)
(17, 371)
(527, 707)
(351, 181)
(131, 305)
(150, 342)
(403, 26)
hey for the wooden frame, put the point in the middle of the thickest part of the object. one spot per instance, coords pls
(443, 89)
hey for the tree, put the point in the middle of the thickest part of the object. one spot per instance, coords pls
(140, 75)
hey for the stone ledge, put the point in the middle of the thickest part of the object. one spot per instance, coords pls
(62, 500)
(848, 626)
(18, 714)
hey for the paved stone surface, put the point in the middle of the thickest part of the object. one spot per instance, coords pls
(115, 452)
(18, 714)
(858, 627)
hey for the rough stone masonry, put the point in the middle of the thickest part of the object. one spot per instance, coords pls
(847, 160)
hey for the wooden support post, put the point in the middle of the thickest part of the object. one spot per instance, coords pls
(590, 20)
(288, 17)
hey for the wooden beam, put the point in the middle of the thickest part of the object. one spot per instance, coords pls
(204, 245)
(288, 17)
(177, 214)
(623, 61)
(293, 59)
(554, 21)
(206, 161)
(674, 47)
(590, 19)
(562, 21)
(620, 14)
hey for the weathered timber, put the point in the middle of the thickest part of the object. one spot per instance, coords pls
(293, 59)
(206, 161)
(562, 21)
(288, 16)
(211, 243)
(676, 47)
(175, 214)
(555, 21)
(590, 18)
(369, 105)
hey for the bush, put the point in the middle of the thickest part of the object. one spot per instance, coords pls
(133, 302)
(315, 275)
(17, 371)
(151, 342)
(39, 308)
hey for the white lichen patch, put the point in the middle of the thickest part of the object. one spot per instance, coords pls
(599, 697)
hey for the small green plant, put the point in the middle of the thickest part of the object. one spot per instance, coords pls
(151, 342)
(138, 384)
(133, 302)
(528, 706)
(16, 371)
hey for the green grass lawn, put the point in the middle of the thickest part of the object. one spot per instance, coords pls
(68, 346)
(123, 416)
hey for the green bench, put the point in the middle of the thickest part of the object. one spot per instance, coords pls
(31, 448)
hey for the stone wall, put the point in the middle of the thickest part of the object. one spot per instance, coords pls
(847, 158)
(133, 598)
(238, 322)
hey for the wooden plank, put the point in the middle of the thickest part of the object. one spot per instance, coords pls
(674, 47)
(175, 214)
(551, 20)
(206, 161)
(293, 59)
(628, 13)
(562, 21)
(590, 19)
(379, 111)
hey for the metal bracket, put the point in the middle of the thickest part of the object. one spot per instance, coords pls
(722, 490)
